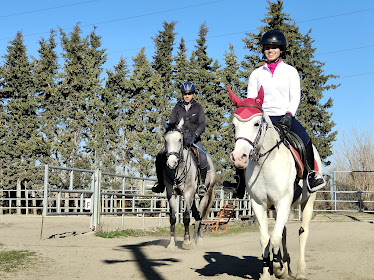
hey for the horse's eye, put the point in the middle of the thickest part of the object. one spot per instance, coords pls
(257, 124)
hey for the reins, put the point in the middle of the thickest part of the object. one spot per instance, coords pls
(183, 175)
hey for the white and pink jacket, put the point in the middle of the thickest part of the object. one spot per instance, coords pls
(281, 88)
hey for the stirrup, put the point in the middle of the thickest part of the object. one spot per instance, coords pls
(157, 188)
(202, 190)
(314, 184)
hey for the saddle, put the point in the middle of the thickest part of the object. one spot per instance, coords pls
(297, 148)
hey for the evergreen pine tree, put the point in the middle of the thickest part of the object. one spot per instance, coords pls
(230, 78)
(209, 95)
(98, 131)
(163, 61)
(49, 100)
(21, 144)
(181, 68)
(81, 88)
(114, 100)
(142, 117)
(312, 113)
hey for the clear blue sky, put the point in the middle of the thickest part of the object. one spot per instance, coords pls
(342, 30)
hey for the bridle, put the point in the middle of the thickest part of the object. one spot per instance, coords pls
(179, 155)
(254, 154)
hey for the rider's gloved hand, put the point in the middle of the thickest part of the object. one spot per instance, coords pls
(286, 120)
(190, 140)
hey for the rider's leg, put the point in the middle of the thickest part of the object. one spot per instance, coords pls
(159, 186)
(202, 189)
(314, 183)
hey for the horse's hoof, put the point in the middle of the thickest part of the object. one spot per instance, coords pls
(171, 247)
(187, 245)
(279, 271)
(199, 241)
(265, 276)
(301, 277)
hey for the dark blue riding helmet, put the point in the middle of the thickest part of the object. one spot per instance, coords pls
(188, 87)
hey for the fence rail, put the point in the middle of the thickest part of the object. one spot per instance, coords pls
(94, 193)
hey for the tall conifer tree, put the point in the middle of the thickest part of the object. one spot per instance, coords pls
(21, 144)
(163, 62)
(142, 118)
(230, 78)
(206, 78)
(81, 88)
(49, 100)
(114, 100)
(98, 131)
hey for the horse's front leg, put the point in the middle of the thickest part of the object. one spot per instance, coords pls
(280, 269)
(187, 244)
(307, 210)
(173, 220)
(197, 235)
(260, 211)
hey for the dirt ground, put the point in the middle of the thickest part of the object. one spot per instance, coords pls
(340, 247)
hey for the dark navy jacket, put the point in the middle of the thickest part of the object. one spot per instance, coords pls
(194, 118)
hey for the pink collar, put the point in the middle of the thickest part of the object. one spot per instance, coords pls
(272, 66)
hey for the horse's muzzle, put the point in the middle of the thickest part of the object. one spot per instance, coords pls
(240, 159)
(172, 161)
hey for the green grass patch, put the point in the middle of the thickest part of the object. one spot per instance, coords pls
(13, 260)
(234, 228)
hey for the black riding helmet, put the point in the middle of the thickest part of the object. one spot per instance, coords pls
(187, 87)
(274, 37)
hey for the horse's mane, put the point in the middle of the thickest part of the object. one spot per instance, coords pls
(172, 127)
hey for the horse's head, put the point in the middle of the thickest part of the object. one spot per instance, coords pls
(174, 144)
(249, 126)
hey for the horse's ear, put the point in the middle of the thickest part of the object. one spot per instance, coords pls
(235, 99)
(260, 97)
(180, 124)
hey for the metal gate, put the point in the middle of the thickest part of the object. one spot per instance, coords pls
(58, 197)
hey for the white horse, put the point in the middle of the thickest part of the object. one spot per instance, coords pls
(181, 178)
(270, 176)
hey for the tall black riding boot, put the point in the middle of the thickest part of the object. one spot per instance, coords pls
(314, 183)
(159, 186)
(238, 188)
(202, 190)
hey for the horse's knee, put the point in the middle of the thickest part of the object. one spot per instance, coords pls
(173, 219)
(186, 219)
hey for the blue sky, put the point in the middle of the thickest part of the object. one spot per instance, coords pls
(342, 30)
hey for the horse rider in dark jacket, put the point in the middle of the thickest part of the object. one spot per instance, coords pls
(193, 114)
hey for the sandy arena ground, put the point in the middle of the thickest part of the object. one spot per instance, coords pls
(340, 247)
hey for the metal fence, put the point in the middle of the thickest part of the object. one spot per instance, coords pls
(70, 191)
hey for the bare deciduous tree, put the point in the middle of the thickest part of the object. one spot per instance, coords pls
(355, 153)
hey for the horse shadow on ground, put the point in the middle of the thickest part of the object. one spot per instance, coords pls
(248, 267)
